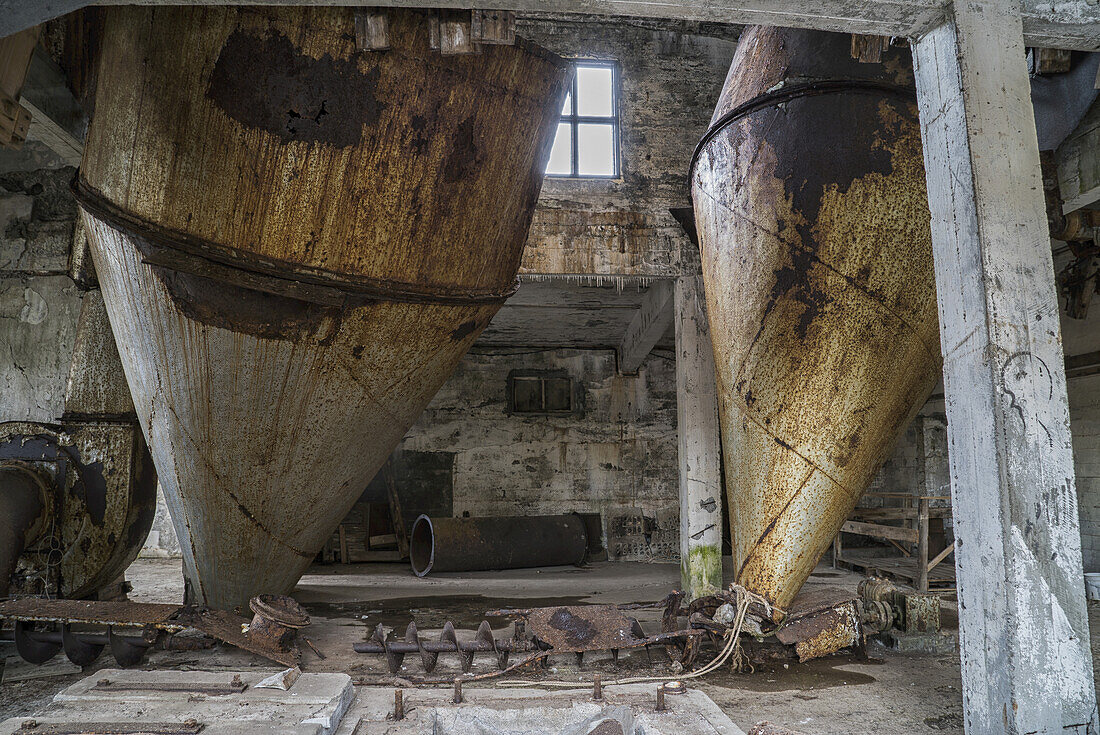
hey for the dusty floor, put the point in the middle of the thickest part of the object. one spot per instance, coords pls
(886, 693)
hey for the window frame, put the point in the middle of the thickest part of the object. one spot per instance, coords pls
(575, 121)
(542, 376)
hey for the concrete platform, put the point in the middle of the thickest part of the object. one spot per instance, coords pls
(624, 710)
(314, 704)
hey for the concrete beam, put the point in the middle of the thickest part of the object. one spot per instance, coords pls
(1024, 636)
(697, 426)
(647, 327)
(1071, 24)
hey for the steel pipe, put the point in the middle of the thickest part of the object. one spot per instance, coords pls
(510, 542)
(24, 510)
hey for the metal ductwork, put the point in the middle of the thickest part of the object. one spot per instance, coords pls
(297, 240)
(809, 196)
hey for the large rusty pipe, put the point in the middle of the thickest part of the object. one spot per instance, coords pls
(297, 240)
(511, 542)
(813, 223)
(24, 507)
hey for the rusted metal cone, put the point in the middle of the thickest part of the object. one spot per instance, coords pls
(810, 203)
(297, 241)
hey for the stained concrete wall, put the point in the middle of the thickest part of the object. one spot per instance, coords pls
(615, 455)
(671, 75)
(39, 303)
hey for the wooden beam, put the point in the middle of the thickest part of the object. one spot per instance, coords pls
(877, 530)
(58, 121)
(647, 327)
(1024, 634)
(935, 561)
(1069, 24)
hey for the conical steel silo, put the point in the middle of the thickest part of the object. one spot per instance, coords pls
(813, 221)
(297, 240)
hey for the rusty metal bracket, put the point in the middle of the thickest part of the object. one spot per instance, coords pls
(236, 686)
(33, 727)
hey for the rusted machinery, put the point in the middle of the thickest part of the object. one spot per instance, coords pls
(77, 497)
(511, 542)
(539, 632)
(810, 203)
(297, 240)
(83, 629)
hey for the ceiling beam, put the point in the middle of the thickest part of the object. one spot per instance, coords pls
(647, 327)
(1071, 24)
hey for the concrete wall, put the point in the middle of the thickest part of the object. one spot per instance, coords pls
(39, 303)
(671, 75)
(615, 455)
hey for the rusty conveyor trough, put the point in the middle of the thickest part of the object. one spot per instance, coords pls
(296, 244)
(813, 221)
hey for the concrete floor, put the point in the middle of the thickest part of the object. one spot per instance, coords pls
(886, 693)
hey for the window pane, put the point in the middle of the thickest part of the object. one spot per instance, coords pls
(595, 150)
(561, 155)
(567, 108)
(559, 394)
(594, 91)
(527, 395)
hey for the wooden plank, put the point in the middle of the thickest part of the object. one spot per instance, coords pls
(922, 546)
(896, 533)
(896, 514)
(1072, 24)
(935, 562)
(396, 515)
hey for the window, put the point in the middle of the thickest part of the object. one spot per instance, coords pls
(587, 141)
(540, 393)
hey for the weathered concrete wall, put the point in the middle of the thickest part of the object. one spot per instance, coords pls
(615, 455)
(39, 303)
(671, 74)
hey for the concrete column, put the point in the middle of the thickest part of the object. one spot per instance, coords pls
(697, 425)
(1024, 638)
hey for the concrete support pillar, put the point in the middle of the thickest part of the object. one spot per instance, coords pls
(1024, 638)
(697, 425)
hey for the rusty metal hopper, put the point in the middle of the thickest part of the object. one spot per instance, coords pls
(810, 201)
(297, 240)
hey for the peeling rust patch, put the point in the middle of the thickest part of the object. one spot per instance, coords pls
(269, 84)
(223, 305)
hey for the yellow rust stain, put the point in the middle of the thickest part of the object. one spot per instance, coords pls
(815, 384)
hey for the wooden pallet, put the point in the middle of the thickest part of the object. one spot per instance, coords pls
(940, 578)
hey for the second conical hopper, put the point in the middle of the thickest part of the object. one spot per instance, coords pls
(814, 229)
